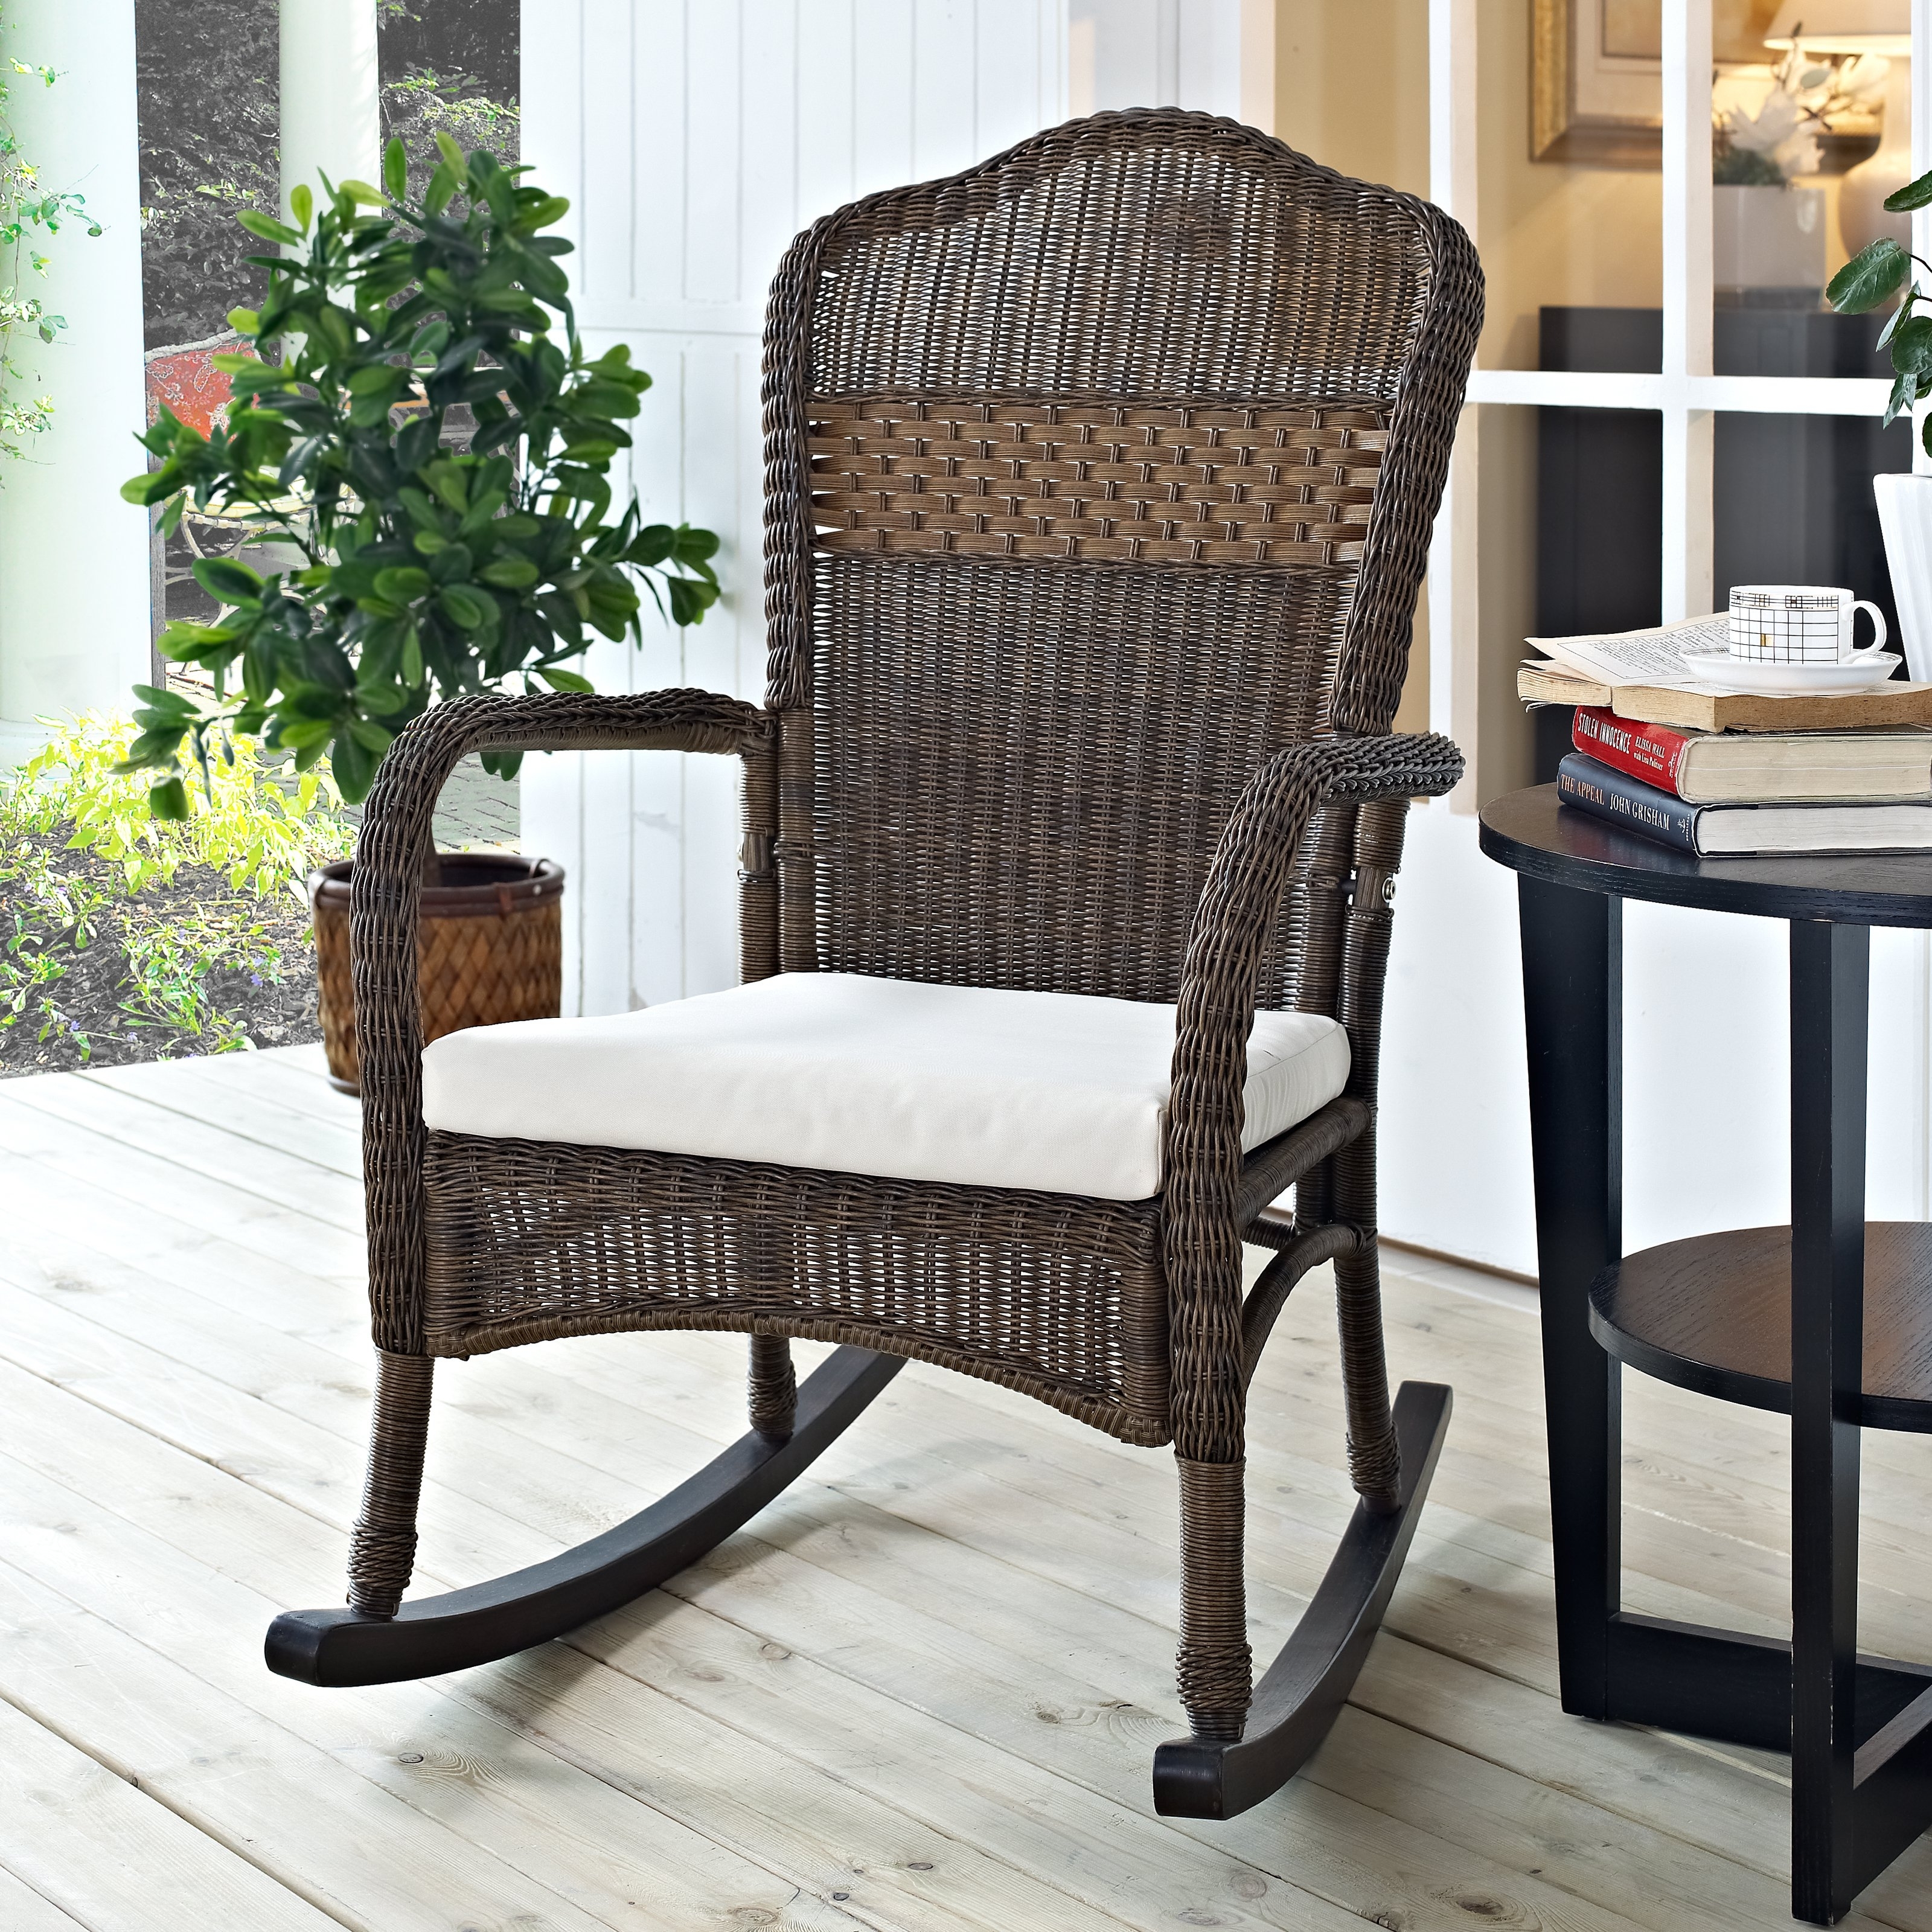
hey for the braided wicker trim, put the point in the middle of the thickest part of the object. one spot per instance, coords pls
(383, 1543)
(1093, 481)
(1214, 1664)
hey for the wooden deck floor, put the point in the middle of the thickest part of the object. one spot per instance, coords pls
(921, 1692)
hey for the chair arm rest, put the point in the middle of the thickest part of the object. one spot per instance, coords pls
(384, 911)
(1203, 1152)
(1250, 869)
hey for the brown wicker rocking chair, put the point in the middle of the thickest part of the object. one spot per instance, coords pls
(1100, 479)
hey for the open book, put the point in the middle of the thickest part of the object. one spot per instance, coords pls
(1641, 675)
(1654, 658)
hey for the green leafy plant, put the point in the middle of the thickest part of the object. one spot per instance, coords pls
(27, 211)
(261, 829)
(1871, 278)
(431, 571)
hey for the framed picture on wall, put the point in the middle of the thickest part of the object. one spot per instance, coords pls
(1596, 74)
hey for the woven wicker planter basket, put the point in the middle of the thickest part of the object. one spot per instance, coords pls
(490, 949)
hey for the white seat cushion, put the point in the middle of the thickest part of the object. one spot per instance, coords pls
(971, 1084)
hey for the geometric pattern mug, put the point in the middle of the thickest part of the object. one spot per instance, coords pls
(1796, 623)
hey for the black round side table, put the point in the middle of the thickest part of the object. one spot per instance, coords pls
(1828, 1319)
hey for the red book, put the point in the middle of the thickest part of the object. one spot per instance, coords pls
(1652, 752)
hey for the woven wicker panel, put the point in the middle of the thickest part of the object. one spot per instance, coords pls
(474, 972)
(1099, 482)
(1019, 771)
(1143, 258)
(1063, 1298)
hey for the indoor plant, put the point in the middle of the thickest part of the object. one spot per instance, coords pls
(405, 415)
(1871, 278)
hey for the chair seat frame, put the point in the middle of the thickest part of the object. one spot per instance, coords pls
(1129, 1316)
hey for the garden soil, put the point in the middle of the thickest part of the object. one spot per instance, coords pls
(101, 1019)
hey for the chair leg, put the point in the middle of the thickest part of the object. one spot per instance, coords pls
(774, 1389)
(375, 1642)
(382, 1546)
(1215, 1666)
(1375, 1462)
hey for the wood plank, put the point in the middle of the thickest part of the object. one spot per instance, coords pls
(499, 1824)
(24, 1909)
(206, 1628)
(975, 1580)
(281, 1234)
(1006, 1674)
(128, 1120)
(186, 1091)
(84, 1846)
(1153, 1657)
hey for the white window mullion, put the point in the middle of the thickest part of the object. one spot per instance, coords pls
(1686, 534)
(1454, 665)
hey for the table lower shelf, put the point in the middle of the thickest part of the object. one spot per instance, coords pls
(1713, 1313)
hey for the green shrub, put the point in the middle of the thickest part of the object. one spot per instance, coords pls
(262, 826)
(258, 826)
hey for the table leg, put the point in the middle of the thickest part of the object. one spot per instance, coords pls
(1830, 972)
(1573, 1001)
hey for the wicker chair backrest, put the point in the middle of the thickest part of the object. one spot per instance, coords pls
(1096, 476)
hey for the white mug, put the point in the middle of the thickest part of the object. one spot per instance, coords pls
(1799, 623)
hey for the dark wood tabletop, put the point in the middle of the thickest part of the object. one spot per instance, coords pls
(1532, 833)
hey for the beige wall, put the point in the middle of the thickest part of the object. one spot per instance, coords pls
(1352, 90)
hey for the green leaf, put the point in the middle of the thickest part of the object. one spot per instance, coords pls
(170, 702)
(560, 680)
(265, 228)
(1914, 194)
(302, 205)
(395, 170)
(226, 581)
(168, 799)
(510, 573)
(402, 584)
(446, 147)
(1912, 347)
(463, 607)
(442, 186)
(362, 192)
(244, 321)
(152, 486)
(1873, 275)
(1904, 394)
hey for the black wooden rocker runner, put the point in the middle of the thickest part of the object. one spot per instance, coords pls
(1099, 481)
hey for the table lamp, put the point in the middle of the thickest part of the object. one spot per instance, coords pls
(1863, 27)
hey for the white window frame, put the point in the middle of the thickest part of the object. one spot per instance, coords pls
(1685, 393)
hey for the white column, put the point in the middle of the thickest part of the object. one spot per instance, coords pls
(73, 558)
(1454, 635)
(1687, 582)
(332, 96)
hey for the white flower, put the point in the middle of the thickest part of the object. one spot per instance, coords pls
(1863, 79)
(1779, 131)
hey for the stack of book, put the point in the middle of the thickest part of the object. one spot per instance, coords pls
(1752, 792)
(1712, 772)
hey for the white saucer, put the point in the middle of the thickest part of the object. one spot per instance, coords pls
(1865, 672)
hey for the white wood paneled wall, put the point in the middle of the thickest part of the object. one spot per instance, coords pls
(694, 138)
